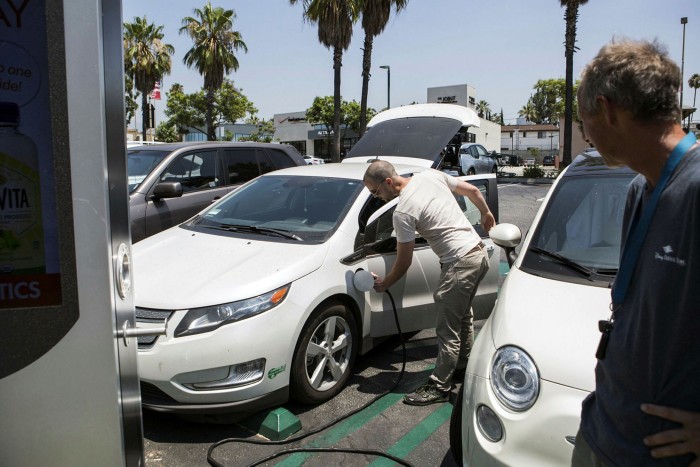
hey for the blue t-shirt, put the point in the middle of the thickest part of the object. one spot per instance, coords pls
(653, 354)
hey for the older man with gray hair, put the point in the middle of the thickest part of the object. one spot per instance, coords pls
(427, 205)
(646, 403)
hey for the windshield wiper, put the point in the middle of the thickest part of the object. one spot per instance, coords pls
(563, 260)
(258, 230)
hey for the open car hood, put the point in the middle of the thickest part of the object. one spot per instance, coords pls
(413, 134)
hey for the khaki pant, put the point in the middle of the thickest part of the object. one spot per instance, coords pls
(454, 329)
(583, 456)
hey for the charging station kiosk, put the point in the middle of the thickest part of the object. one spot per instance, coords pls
(69, 392)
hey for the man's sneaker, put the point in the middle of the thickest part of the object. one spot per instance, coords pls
(427, 394)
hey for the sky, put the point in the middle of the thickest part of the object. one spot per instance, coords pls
(500, 47)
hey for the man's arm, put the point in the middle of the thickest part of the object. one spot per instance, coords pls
(404, 257)
(474, 194)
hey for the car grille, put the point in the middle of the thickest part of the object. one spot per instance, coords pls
(149, 316)
(150, 394)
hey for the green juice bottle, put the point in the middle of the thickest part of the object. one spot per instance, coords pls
(21, 230)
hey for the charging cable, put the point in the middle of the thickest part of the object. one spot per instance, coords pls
(293, 439)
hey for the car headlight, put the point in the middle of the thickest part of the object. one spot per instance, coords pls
(198, 320)
(514, 378)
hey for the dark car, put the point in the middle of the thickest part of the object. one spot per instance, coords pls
(548, 160)
(169, 183)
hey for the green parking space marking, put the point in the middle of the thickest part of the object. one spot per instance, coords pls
(417, 435)
(349, 426)
(503, 268)
(344, 429)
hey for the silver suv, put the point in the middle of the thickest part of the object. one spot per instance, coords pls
(169, 183)
(474, 159)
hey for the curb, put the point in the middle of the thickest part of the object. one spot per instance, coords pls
(527, 181)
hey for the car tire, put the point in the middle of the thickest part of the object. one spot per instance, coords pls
(471, 171)
(456, 427)
(319, 373)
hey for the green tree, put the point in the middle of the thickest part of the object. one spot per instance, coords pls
(191, 110)
(130, 96)
(528, 111)
(375, 16)
(213, 52)
(167, 133)
(571, 18)
(334, 19)
(146, 59)
(547, 104)
(483, 109)
(264, 132)
(322, 111)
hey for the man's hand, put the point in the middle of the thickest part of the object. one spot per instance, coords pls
(378, 284)
(487, 221)
(683, 440)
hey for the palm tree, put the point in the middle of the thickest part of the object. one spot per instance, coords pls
(375, 16)
(528, 112)
(212, 54)
(571, 18)
(694, 82)
(335, 19)
(483, 109)
(146, 59)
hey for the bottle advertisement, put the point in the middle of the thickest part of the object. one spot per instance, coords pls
(29, 253)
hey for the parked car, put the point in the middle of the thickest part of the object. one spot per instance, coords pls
(529, 162)
(474, 159)
(510, 160)
(533, 361)
(548, 160)
(256, 292)
(169, 183)
(311, 160)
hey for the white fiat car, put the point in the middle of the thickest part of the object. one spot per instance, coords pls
(533, 361)
(256, 292)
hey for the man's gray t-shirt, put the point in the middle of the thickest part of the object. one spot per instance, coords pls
(653, 354)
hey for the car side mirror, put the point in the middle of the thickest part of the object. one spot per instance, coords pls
(167, 190)
(508, 237)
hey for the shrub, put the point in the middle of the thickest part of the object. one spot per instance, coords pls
(533, 172)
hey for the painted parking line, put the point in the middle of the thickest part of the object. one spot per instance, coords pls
(349, 426)
(403, 447)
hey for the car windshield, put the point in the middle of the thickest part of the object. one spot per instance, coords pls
(416, 137)
(140, 163)
(578, 237)
(293, 208)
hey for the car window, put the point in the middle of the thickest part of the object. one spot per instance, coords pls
(309, 207)
(195, 171)
(280, 159)
(264, 162)
(471, 212)
(381, 228)
(473, 152)
(241, 165)
(140, 163)
(480, 150)
(583, 223)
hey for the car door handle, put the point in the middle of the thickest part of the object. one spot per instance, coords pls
(127, 331)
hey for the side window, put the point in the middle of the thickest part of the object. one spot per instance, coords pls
(481, 151)
(473, 151)
(471, 212)
(381, 228)
(195, 171)
(264, 161)
(280, 159)
(241, 165)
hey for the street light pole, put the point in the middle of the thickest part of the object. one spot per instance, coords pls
(684, 21)
(388, 84)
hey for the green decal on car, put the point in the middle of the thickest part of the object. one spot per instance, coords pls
(275, 371)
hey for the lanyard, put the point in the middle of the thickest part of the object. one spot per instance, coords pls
(638, 229)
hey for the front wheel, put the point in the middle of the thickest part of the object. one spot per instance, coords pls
(325, 355)
(471, 171)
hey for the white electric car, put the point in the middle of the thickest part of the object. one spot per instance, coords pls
(256, 292)
(533, 361)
